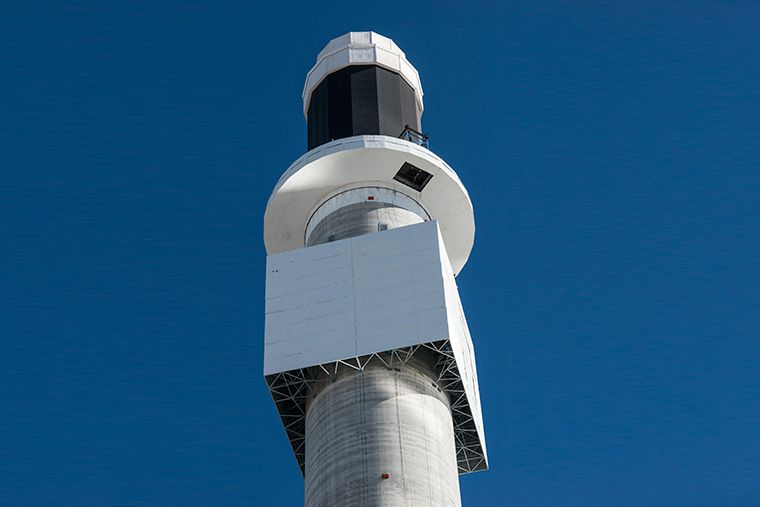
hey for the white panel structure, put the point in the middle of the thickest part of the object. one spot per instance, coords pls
(345, 301)
(367, 354)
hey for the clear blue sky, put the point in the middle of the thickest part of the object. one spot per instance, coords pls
(611, 150)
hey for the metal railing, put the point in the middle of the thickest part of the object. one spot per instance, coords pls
(415, 136)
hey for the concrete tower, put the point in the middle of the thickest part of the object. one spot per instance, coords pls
(367, 352)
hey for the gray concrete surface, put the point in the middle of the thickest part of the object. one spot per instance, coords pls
(381, 421)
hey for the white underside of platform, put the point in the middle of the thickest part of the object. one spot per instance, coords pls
(365, 161)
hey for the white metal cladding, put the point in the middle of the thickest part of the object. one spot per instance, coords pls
(349, 302)
(361, 48)
(353, 297)
(361, 161)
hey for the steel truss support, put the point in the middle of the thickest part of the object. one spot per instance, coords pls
(291, 389)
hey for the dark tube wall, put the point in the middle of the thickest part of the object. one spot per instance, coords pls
(361, 100)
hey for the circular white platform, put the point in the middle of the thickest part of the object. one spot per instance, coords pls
(362, 161)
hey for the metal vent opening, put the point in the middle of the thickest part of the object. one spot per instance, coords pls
(413, 177)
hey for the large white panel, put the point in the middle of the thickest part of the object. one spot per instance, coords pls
(354, 297)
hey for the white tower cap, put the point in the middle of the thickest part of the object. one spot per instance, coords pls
(361, 48)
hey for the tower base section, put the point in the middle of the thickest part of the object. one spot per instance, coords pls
(381, 436)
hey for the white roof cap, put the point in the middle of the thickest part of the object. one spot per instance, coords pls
(361, 48)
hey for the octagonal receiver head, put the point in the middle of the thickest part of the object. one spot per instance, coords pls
(361, 48)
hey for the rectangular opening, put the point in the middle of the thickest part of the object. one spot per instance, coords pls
(413, 177)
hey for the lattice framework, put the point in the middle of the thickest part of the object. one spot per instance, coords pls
(291, 389)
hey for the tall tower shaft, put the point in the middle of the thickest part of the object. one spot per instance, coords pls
(368, 356)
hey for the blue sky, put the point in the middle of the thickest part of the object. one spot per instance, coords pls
(611, 151)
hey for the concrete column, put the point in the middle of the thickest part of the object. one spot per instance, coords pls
(359, 219)
(380, 437)
(360, 211)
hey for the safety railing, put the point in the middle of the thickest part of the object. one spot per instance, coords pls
(415, 136)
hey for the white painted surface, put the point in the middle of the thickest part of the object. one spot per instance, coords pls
(361, 48)
(363, 161)
(354, 297)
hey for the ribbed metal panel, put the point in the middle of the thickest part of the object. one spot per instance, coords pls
(410, 113)
(361, 100)
(364, 101)
(338, 111)
(319, 123)
(389, 103)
